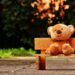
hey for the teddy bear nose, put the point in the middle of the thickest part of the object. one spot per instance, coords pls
(58, 32)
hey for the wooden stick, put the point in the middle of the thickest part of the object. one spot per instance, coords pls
(41, 62)
(42, 51)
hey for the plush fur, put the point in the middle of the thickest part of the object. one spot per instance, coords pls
(60, 33)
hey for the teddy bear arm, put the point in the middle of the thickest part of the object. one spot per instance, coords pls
(53, 49)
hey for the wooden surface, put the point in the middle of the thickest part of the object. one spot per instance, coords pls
(43, 43)
(64, 63)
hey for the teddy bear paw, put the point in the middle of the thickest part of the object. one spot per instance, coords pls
(67, 49)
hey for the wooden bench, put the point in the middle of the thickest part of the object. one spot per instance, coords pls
(42, 44)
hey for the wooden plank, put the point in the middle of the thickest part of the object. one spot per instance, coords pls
(43, 43)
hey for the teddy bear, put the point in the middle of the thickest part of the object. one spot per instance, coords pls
(60, 34)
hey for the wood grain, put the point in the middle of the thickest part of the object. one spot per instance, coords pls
(43, 43)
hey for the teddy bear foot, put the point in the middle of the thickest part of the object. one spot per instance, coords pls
(53, 49)
(67, 49)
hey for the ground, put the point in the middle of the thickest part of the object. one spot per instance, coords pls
(28, 66)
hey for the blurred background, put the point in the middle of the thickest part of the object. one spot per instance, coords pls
(23, 20)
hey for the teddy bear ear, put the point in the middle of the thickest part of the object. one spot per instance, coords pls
(72, 29)
(49, 29)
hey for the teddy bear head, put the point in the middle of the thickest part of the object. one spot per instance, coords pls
(60, 31)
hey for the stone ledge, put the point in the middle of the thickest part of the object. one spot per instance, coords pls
(52, 62)
(17, 60)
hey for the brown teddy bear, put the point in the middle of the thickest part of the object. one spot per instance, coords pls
(60, 34)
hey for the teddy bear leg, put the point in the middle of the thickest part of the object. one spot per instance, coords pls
(67, 49)
(53, 49)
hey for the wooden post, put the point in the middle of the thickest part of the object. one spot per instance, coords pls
(42, 51)
(41, 61)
